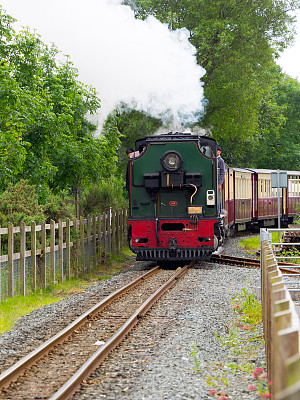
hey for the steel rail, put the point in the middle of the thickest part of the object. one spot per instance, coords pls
(16, 370)
(70, 387)
(250, 262)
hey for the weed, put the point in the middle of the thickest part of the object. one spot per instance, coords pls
(244, 341)
(195, 358)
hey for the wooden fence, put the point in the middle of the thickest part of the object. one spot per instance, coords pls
(281, 330)
(58, 250)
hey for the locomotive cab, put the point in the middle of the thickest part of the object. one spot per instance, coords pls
(172, 187)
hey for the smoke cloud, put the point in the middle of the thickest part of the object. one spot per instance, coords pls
(127, 60)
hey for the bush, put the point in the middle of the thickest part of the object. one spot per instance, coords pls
(19, 203)
(58, 207)
(98, 198)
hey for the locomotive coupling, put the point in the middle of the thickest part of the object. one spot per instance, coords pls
(173, 244)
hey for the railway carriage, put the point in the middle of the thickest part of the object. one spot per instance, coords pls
(238, 197)
(173, 198)
(265, 206)
(266, 199)
(249, 199)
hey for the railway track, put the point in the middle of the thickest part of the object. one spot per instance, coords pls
(56, 369)
(251, 263)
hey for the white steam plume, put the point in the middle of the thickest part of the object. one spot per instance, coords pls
(125, 59)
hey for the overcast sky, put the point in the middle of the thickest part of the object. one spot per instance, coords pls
(290, 59)
(125, 58)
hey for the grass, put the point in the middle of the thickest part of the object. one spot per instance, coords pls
(253, 243)
(15, 308)
(12, 309)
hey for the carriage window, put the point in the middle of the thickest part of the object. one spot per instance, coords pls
(265, 193)
(294, 186)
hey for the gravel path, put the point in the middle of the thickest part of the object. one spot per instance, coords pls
(155, 361)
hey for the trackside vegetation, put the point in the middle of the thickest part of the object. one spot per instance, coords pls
(47, 140)
(244, 344)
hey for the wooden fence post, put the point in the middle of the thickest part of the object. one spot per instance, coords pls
(121, 228)
(33, 256)
(88, 243)
(60, 250)
(75, 252)
(52, 250)
(125, 226)
(104, 220)
(108, 224)
(118, 232)
(68, 249)
(82, 244)
(43, 255)
(10, 260)
(99, 239)
(22, 258)
(94, 242)
(113, 223)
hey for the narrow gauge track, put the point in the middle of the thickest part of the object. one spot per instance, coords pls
(58, 375)
(250, 263)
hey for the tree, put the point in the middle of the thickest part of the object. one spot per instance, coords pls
(43, 115)
(87, 160)
(236, 42)
(278, 141)
(132, 125)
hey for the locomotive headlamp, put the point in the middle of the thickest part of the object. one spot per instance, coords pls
(171, 161)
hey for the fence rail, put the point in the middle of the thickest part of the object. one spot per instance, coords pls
(281, 328)
(57, 250)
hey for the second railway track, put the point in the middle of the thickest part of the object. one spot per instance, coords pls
(58, 374)
(250, 263)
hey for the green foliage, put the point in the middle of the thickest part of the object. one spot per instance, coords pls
(132, 125)
(15, 308)
(297, 218)
(248, 307)
(291, 252)
(20, 203)
(278, 136)
(236, 43)
(107, 193)
(45, 135)
(58, 207)
(253, 243)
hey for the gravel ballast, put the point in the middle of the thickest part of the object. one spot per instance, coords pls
(155, 360)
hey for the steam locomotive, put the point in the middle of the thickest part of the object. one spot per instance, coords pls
(173, 212)
(173, 198)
